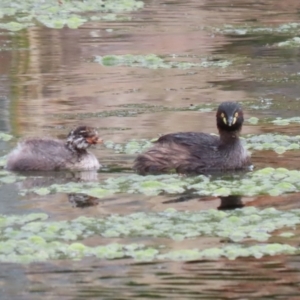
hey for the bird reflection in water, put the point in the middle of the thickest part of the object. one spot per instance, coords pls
(231, 202)
(82, 200)
(227, 202)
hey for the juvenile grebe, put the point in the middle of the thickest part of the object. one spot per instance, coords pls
(46, 154)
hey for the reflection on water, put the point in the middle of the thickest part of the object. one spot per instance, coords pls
(231, 202)
(82, 200)
(226, 203)
(49, 82)
(267, 278)
(44, 179)
(4, 114)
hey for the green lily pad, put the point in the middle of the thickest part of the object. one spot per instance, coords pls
(33, 238)
(254, 29)
(57, 14)
(294, 42)
(5, 137)
(153, 61)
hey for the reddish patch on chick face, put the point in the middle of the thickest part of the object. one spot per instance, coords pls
(93, 140)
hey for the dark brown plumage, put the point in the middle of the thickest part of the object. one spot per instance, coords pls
(47, 154)
(194, 152)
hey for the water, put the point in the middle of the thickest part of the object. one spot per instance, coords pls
(49, 84)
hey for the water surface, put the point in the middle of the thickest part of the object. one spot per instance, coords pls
(49, 83)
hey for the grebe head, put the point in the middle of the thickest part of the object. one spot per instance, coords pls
(229, 117)
(82, 138)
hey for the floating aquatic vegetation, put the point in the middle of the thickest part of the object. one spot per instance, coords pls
(204, 107)
(135, 109)
(287, 234)
(276, 142)
(29, 238)
(132, 147)
(278, 77)
(131, 110)
(253, 29)
(287, 121)
(261, 104)
(72, 21)
(3, 161)
(111, 17)
(294, 42)
(9, 177)
(267, 181)
(153, 61)
(35, 249)
(231, 252)
(57, 14)
(253, 120)
(5, 137)
(13, 26)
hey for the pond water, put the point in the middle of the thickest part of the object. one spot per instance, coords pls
(52, 81)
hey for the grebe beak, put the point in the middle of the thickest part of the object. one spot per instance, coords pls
(94, 140)
(231, 121)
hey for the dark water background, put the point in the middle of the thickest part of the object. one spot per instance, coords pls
(48, 82)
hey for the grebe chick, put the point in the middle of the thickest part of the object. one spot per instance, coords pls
(196, 152)
(47, 154)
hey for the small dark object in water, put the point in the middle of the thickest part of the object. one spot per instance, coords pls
(231, 202)
(196, 152)
(82, 200)
(47, 154)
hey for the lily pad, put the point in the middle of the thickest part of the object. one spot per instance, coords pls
(57, 14)
(31, 238)
(5, 137)
(254, 29)
(294, 42)
(276, 142)
(153, 61)
(265, 181)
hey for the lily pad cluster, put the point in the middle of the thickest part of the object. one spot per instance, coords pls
(32, 237)
(5, 136)
(57, 14)
(131, 110)
(237, 226)
(267, 181)
(276, 142)
(294, 42)
(254, 29)
(36, 249)
(7, 177)
(278, 77)
(132, 147)
(135, 109)
(153, 61)
(253, 120)
(286, 121)
(231, 252)
(278, 121)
